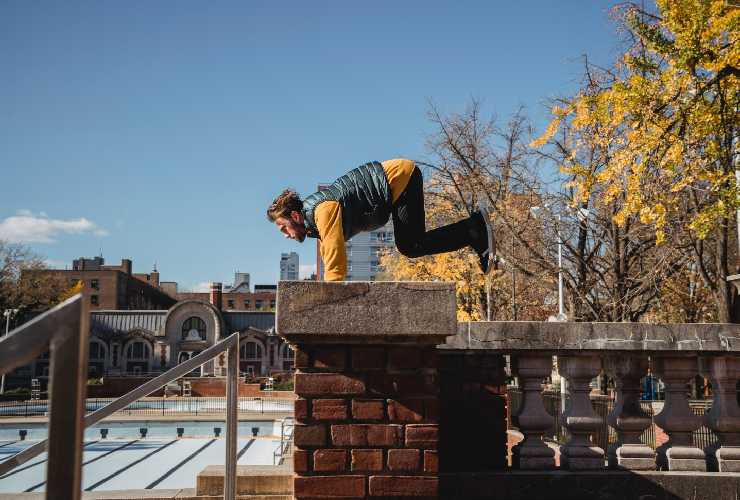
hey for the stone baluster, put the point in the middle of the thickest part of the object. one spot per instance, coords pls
(676, 418)
(579, 453)
(628, 418)
(532, 453)
(724, 417)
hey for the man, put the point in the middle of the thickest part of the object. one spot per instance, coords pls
(363, 200)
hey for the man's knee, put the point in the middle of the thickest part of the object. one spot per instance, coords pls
(410, 251)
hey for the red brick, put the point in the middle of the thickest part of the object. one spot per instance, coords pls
(421, 436)
(407, 410)
(302, 357)
(330, 460)
(327, 384)
(309, 435)
(329, 487)
(329, 358)
(329, 409)
(300, 461)
(385, 384)
(366, 435)
(403, 460)
(368, 358)
(368, 409)
(406, 486)
(301, 410)
(431, 461)
(367, 460)
(404, 358)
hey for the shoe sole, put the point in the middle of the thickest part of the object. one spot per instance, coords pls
(491, 240)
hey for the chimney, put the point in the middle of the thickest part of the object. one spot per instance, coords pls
(126, 266)
(215, 295)
(154, 278)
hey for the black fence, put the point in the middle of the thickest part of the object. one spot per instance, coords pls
(703, 437)
(192, 406)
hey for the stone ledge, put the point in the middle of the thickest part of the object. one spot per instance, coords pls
(365, 311)
(250, 480)
(544, 337)
(555, 485)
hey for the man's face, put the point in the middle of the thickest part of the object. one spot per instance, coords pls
(292, 227)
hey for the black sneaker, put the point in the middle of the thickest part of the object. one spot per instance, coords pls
(486, 255)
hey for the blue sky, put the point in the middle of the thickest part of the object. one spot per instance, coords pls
(160, 131)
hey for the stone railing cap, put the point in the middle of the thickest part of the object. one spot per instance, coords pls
(365, 310)
(512, 336)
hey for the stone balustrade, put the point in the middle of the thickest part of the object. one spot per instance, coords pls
(396, 399)
(676, 353)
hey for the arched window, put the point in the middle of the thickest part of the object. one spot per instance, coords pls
(138, 350)
(288, 353)
(251, 350)
(194, 328)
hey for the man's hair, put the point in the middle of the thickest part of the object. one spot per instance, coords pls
(287, 202)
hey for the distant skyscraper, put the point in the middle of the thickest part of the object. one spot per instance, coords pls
(289, 266)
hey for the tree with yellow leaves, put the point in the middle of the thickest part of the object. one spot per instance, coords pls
(666, 117)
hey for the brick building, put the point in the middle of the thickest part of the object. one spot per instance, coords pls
(115, 287)
(237, 301)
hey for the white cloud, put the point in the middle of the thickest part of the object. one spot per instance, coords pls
(203, 286)
(56, 264)
(306, 270)
(27, 227)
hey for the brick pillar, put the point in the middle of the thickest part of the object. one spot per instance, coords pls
(367, 384)
(215, 294)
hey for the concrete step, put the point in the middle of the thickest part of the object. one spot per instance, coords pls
(252, 481)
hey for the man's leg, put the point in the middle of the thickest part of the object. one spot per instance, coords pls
(412, 239)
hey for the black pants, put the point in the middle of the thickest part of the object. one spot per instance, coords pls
(412, 238)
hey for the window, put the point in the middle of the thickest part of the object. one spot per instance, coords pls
(251, 350)
(94, 285)
(193, 329)
(230, 303)
(246, 304)
(258, 303)
(138, 350)
(96, 351)
(94, 300)
(272, 304)
(288, 353)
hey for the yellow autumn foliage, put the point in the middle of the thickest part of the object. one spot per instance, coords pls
(667, 116)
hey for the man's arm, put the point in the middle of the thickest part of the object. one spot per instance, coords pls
(328, 217)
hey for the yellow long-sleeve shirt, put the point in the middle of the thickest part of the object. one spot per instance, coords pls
(328, 217)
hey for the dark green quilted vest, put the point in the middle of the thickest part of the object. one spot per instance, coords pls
(365, 198)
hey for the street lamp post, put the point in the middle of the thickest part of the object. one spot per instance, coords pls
(7, 313)
(561, 316)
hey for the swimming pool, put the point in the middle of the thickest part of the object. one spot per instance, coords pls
(124, 460)
(156, 406)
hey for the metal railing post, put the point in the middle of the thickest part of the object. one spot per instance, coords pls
(66, 418)
(232, 402)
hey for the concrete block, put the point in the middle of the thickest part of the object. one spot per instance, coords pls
(363, 312)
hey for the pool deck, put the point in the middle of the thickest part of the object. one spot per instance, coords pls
(112, 495)
(208, 417)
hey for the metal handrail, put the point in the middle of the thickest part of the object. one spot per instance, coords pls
(20, 346)
(63, 329)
